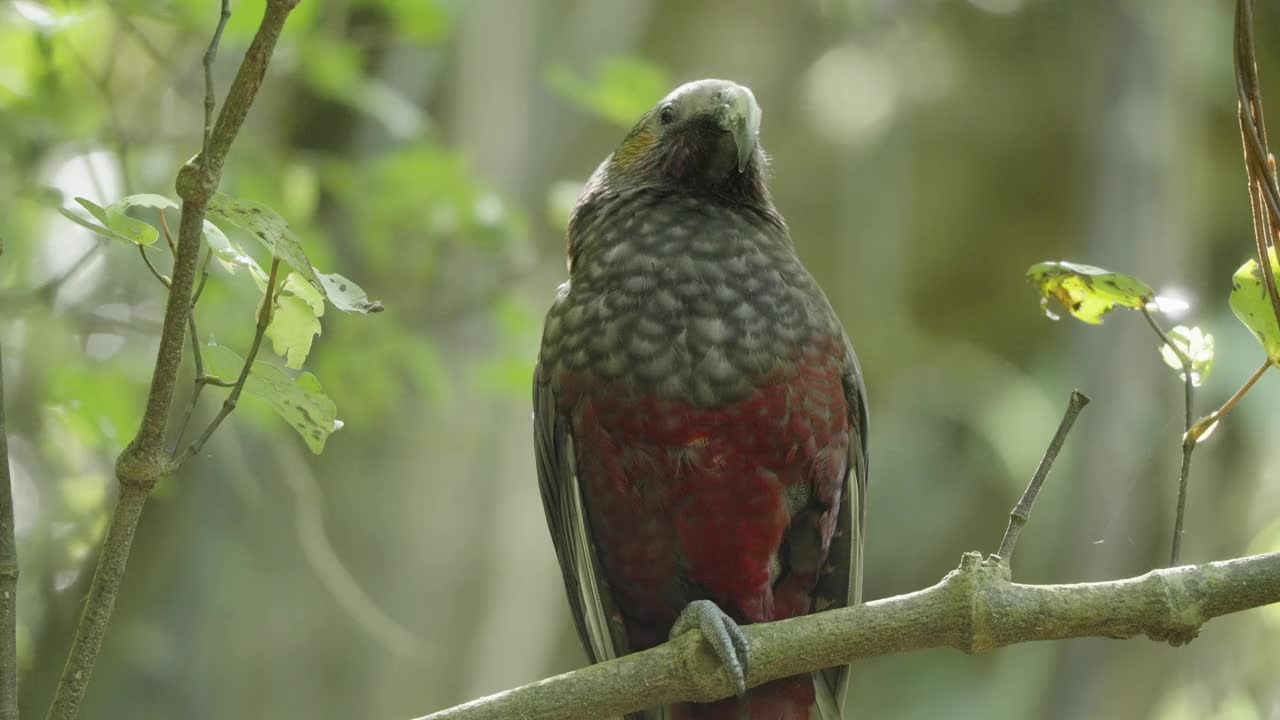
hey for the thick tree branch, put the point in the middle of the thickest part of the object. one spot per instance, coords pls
(974, 608)
(144, 461)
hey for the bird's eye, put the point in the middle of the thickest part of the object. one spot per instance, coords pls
(668, 115)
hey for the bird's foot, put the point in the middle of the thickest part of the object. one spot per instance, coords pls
(724, 636)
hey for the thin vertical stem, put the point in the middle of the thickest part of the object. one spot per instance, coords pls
(8, 578)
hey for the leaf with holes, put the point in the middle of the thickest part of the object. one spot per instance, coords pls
(1087, 292)
(115, 224)
(268, 228)
(346, 295)
(1252, 304)
(1197, 345)
(300, 401)
(273, 231)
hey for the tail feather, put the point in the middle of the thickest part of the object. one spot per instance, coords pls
(827, 702)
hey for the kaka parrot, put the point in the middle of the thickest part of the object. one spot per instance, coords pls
(700, 422)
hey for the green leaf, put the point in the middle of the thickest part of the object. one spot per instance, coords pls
(1251, 304)
(272, 231)
(267, 227)
(1087, 292)
(622, 90)
(115, 224)
(295, 321)
(300, 401)
(346, 295)
(149, 200)
(212, 233)
(1197, 345)
(231, 255)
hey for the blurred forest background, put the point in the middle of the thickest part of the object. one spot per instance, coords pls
(926, 153)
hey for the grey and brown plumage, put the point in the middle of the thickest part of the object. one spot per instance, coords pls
(700, 417)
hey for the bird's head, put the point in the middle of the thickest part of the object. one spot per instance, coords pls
(703, 136)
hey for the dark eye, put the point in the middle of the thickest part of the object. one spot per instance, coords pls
(667, 115)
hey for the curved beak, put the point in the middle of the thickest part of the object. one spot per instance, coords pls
(738, 114)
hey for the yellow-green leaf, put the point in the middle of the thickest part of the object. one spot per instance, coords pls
(1087, 292)
(300, 401)
(1252, 305)
(295, 321)
(270, 229)
(1197, 345)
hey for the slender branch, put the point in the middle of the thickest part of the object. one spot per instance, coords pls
(1264, 194)
(264, 320)
(48, 290)
(1188, 440)
(143, 462)
(204, 277)
(973, 609)
(8, 578)
(1206, 424)
(1022, 511)
(209, 56)
(102, 85)
(196, 355)
(168, 236)
(142, 250)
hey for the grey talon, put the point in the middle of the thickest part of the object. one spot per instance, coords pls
(724, 636)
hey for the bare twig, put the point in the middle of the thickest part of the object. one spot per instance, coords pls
(8, 579)
(48, 290)
(1264, 193)
(168, 236)
(144, 460)
(973, 609)
(327, 565)
(1188, 441)
(1022, 511)
(102, 84)
(142, 250)
(264, 320)
(196, 355)
(209, 56)
(1206, 424)
(204, 277)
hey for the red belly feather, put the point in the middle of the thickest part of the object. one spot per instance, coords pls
(688, 502)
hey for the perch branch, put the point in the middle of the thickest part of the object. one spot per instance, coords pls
(973, 609)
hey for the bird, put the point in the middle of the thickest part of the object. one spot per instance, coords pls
(700, 417)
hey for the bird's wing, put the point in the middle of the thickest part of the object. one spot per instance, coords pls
(843, 585)
(600, 626)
